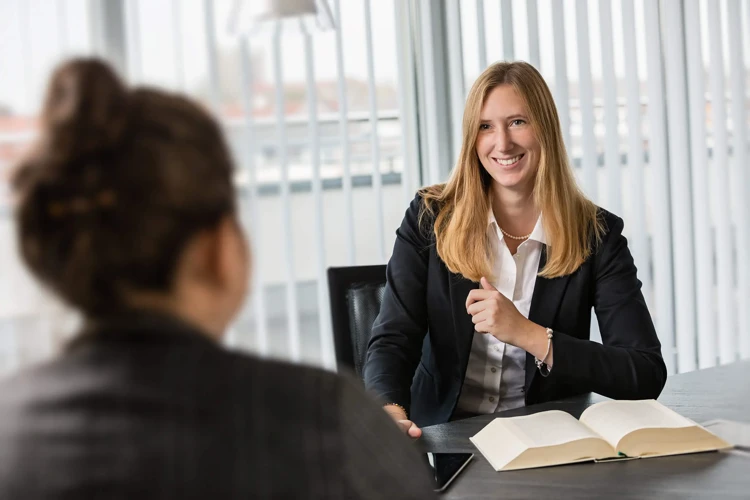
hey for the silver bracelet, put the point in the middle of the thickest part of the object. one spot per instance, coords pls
(540, 363)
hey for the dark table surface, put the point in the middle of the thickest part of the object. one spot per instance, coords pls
(721, 392)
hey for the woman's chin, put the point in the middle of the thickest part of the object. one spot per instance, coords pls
(510, 182)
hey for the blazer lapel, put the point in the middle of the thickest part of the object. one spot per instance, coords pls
(545, 302)
(462, 325)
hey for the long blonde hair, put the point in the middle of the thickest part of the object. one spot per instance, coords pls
(461, 205)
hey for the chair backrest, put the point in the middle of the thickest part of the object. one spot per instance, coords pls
(355, 296)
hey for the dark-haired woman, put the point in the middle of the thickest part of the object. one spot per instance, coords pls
(126, 211)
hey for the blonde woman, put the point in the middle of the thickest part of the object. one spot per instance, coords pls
(494, 274)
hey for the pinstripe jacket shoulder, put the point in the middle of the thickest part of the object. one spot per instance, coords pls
(144, 406)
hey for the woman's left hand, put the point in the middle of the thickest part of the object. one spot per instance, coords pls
(493, 313)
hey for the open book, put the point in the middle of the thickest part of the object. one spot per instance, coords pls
(607, 430)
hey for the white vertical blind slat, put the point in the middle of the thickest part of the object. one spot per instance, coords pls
(662, 243)
(636, 180)
(509, 51)
(133, 33)
(612, 136)
(681, 205)
(377, 180)
(328, 357)
(704, 277)
(62, 27)
(722, 203)
(741, 181)
(481, 37)
(561, 71)
(258, 293)
(589, 159)
(532, 17)
(179, 59)
(291, 281)
(346, 177)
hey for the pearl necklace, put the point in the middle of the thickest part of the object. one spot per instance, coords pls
(514, 237)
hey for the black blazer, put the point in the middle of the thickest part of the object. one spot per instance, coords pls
(421, 339)
(144, 406)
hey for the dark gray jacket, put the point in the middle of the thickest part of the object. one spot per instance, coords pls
(144, 406)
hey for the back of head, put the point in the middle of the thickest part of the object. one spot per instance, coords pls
(117, 183)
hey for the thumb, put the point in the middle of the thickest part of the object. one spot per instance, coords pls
(409, 428)
(486, 284)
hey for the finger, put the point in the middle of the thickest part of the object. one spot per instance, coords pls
(486, 285)
(404, 425)
(414, 432)
(476, 295)
(482, 327)
(480, 317)
(478, 307)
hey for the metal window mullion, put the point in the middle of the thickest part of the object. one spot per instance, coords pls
(455, 62)
(326, 340)
(377, 180)
(532, 17)
(612, 136)
(346, 178)
(741, 181)
(111, 34)
(481, 37)
(561, 72)
(639, 242)
(406, 99)
(509, 51)
(704, 276)
(431, 116)
(259, 307)
(721, 198)
(586, 92)
(662, 242)
(212, 57)
(291, 282)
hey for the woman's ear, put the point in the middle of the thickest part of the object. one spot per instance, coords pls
(232, 258)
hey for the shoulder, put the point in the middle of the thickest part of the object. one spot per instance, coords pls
(419, 219)
(280, 381)
(610, 228)
(611, 241)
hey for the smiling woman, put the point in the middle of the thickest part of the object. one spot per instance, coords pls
(500, 267)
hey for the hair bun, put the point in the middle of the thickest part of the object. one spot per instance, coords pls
(84, 110)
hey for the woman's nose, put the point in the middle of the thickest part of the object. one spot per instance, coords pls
(503, 142)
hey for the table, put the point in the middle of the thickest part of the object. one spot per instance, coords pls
(721, 392)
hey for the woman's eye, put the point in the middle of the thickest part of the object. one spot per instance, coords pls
(517, 122)
(484, 126)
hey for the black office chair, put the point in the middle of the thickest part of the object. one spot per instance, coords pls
(355, 296)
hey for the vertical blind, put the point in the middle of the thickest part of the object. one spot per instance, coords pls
(333, 132)
(653, 100)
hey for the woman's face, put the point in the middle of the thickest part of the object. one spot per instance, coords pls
(506, 143)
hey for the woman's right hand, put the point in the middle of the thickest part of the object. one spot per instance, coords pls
(406, 425)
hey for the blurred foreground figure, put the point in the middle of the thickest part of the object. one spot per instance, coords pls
(126, 211)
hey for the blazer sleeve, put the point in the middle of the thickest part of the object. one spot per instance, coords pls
(628, 364)
(379, 461)
(395, 347)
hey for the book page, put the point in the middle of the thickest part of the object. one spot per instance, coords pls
(545, 438)
(548, 428)
(613, 420)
